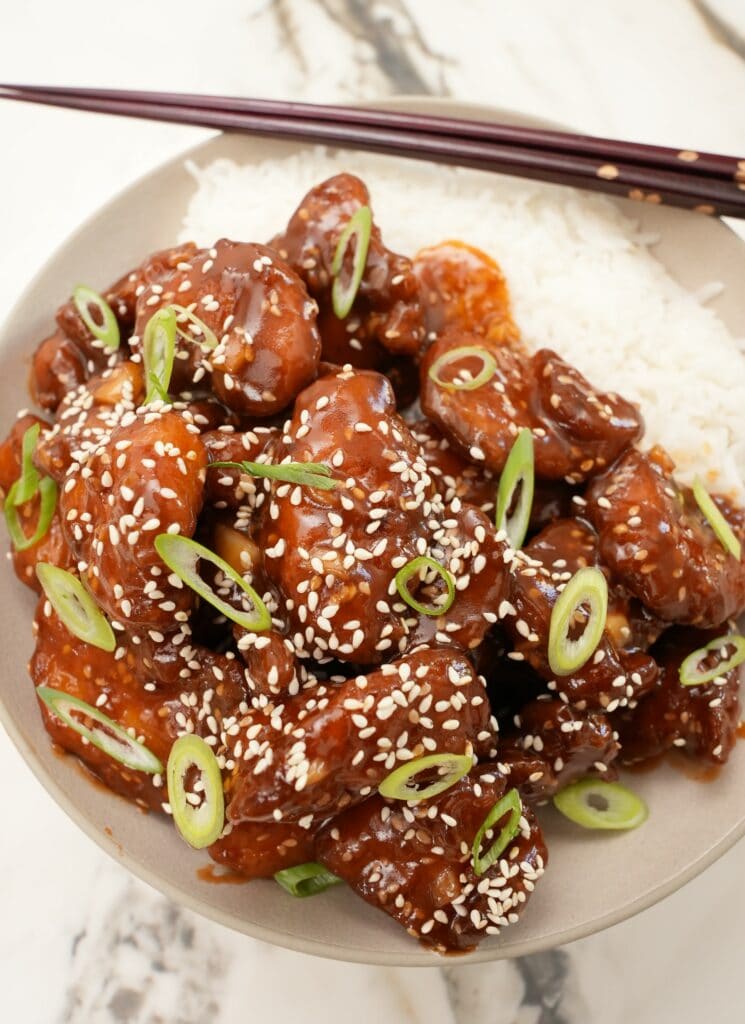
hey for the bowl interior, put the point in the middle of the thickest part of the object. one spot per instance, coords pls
(593, 880)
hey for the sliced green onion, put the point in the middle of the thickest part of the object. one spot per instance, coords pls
(487, 371)
(511, 803)
(27, 483)
(306, 879)
(716, 520)
(587, 586)
(414, 568)
(359, 226)
(312, 474)
(603, 805)
(158, 351)
(75, 606)
(199, 823)
(48, 497)
(519, 471)
(208, 339)
(182, 555)
(108, 330)
(691, 674)
(452, 768)
(103, 733)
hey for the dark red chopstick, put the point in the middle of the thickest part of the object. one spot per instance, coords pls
(709, 183)
(608, 150)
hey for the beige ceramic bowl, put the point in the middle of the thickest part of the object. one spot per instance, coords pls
(593, 881)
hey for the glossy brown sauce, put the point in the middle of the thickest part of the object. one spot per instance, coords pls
(209, 873)
(680, 763)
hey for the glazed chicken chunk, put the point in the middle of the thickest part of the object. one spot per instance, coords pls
(261, 345)
(415, 864)
(657, 542)
(331, 746)
(334, 554)
(386, 315)
(612, 677)
(144, 478)
(577, 431)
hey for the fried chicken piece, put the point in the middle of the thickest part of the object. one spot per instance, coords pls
(261, 317)
(552, 744)
(577, 431)
(613, 676)
(330, 746)
(657, 542)
(386, 315)
(158, 716)
(700, 720)
(144, 477)
(333, 554)
(72, 355)
(463, 289)
(259, 849)
(414, 862)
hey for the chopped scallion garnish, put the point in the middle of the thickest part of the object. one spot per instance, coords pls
(519, 471)
(203, 335)
(107, 331)
(716, 520)
(75, 606)
(359, 228)
(200, 822)
(306, 879)
(509, 804)
(27, 483)
(182, 556)
(158, 351)
(311, 474)
(450, 768)
(588, 587)
(467, 382)
(601, 805)
(102, 732)
(47, 490)
(692, 675)
(423, 567)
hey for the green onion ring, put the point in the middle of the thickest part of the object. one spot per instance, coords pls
(200, 825)
(623, 808)
(75, 606)
(716, 520)
(48, 497)
(689, 671)
(312, 474)
(105, 734)
(411, 569)
(181, 555)
(396, 785)
(209, 338)
(306, 879)
(487, 371)
(511, 803)
(158, 351)
(27, 483)
(518, 469)
(589, 586)
(359, 226)
(108, 331)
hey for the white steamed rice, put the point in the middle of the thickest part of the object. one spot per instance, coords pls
(583, 281)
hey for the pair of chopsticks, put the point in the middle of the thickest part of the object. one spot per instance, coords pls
(705, 182)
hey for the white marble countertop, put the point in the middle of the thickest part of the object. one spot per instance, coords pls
(83, 942)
